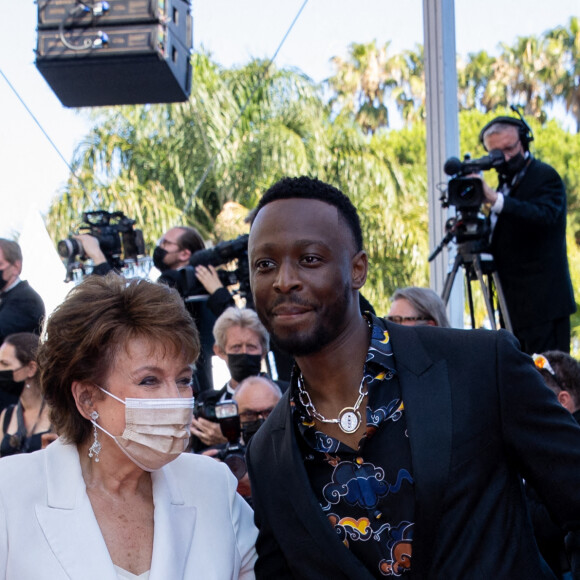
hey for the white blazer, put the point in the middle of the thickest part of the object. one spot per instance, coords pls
(48, 531)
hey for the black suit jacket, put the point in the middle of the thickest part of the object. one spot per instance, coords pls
(529, 249)
(479, 418)
(21, 310)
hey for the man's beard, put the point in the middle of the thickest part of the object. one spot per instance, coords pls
(317, 337)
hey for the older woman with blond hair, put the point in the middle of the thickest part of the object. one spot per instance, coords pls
(115, 496)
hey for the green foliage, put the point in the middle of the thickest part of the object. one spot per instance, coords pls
(242, 129)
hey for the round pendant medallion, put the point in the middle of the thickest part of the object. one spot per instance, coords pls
(349, 420)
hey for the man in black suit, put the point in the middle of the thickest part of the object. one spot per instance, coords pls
(396, 450)
(21, 307)
(528, 243)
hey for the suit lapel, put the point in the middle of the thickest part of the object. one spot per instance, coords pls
(427, 397)
(174, 527)
(68, 521)
(290, 470)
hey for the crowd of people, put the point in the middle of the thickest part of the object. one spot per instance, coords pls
(398, 446)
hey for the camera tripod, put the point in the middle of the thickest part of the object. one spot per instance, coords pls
(469, 256)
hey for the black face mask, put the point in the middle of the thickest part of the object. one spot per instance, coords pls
(9, 385)
(249, 429)
(158, 256)
(510, 168)
(242, 366)
(2, 281)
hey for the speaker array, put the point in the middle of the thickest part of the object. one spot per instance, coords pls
(120, 52)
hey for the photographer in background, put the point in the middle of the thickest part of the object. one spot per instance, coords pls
(528, 241)
(173, 252)
(242, 341)
(255, 398)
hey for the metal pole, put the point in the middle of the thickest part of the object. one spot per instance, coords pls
(442, 136)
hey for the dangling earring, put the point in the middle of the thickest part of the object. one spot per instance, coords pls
(95, 448)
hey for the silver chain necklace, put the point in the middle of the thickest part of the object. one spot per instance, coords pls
(348, 419)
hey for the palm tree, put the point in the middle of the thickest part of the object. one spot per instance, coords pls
(521, 75)
(473, 77)
(361, 83)
(567, 83)
(410, 93)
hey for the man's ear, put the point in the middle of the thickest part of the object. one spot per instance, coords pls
(565, 399)
(359, 269)
(84, 396)
(184, 254)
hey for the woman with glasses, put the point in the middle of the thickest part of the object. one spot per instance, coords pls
(415, 306)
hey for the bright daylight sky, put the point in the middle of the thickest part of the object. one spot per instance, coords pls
(233, 30)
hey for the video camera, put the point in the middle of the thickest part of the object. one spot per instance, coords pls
(467, 192)
(117, 238)
(186, 283)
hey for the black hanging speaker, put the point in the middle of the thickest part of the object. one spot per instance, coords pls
(121, 52)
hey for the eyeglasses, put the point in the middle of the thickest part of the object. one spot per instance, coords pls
(510, 148)
(401, 319)
(163, 242)
(251, 416)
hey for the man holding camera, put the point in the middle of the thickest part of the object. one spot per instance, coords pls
(242, 342)
(528, 242)
(173, 252)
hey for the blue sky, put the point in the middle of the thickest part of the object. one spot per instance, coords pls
(233, 31)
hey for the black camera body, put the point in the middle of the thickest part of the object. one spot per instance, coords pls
(234, 452)
(186, 283)
(117, 238)
(464, 192)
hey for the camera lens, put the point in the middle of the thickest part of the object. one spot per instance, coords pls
(69, 248)
(237, 464)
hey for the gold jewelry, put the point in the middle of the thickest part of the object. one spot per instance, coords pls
(348, 420)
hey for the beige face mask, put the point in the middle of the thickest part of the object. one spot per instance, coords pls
(156, 430)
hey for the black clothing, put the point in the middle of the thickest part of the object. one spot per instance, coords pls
(371, 485)
(21, 310)
(205, 313)
(529, 248)
(13, 443)
(549, 536)
(479, 418)
(552, 335)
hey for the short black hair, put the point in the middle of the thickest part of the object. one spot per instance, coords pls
(567, 372)
(311, 188)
